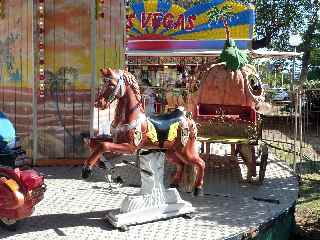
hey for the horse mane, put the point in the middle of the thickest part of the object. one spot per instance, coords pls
(132, 81)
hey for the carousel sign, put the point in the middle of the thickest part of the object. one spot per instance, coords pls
(165, 20)
(160, 25)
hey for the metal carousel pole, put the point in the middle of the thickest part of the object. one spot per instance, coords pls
(93, 61)
(295, 40)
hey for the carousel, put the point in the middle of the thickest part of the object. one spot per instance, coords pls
(240, 201)
(242, 193)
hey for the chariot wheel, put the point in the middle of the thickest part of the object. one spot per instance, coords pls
(9, 224)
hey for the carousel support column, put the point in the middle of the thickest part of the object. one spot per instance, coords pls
(233, 154)
(207, 150)
(154, 202)
(93, 61)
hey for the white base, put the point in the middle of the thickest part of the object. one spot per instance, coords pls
(152, 213)
(154, 202)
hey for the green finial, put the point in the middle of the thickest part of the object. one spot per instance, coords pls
(234, 58)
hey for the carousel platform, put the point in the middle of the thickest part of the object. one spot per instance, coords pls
(76, 209)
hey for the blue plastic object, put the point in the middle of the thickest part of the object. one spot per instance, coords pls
(7, 131)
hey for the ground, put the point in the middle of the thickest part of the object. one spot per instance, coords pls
(308, 208)
(280, 136)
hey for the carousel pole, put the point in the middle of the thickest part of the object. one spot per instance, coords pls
(34, 94)
(93, 61)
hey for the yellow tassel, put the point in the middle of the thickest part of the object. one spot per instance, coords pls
(152, 133)
(173, 131)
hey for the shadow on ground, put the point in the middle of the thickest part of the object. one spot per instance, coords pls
(58, 221)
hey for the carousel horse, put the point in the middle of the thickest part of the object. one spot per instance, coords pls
(175, 132)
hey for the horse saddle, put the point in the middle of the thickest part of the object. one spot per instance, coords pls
(163, 122)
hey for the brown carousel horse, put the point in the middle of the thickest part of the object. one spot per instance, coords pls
(131, 130)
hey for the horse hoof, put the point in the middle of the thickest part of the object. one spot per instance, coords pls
(102, 165)
(198, 192)
(119, 180)
(174, 185)
(86, 172)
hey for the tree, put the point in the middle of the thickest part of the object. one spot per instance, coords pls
(311, 36)
(277, 19)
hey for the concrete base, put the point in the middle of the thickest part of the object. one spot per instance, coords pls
(154, 202)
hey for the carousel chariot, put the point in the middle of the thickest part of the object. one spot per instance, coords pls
(20, 188)
(229, 99)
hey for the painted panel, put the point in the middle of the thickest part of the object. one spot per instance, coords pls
(16, 67)
(156, 25)
(64, 112)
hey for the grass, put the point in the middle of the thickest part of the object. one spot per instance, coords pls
(279, 134)
(307, 214)
(308, 207)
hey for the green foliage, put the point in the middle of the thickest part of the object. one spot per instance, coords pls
(314, 74)
(311, 84)
(309, 199)
(273, 76)
(313, 79)
(276, 20)
(315, 57)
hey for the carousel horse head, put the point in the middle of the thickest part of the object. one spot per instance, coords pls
(113, 87)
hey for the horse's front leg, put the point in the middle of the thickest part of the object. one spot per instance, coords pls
(102, 147)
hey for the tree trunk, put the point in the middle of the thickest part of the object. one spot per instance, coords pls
(261, 43)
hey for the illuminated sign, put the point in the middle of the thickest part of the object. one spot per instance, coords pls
(160, 25)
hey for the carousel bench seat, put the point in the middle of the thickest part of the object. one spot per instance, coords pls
(227, 124)
(240, 112)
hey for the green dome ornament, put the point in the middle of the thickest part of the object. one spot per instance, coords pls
(235, 59)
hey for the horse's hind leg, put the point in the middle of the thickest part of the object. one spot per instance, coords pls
(200, 164)
(173, 158)
(195, 160)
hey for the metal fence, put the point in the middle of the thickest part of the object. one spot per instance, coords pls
(291, 129)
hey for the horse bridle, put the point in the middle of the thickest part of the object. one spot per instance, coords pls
(118, 90)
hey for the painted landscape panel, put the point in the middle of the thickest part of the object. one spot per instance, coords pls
(64, 111)
(16, 57)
